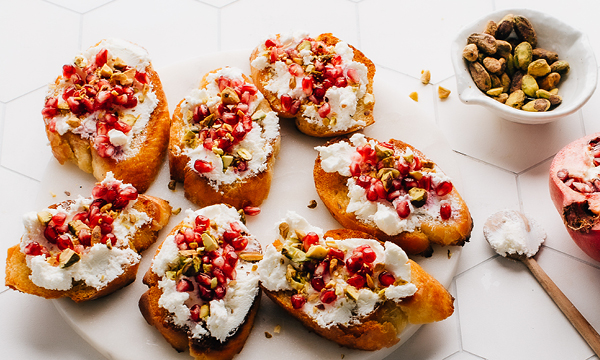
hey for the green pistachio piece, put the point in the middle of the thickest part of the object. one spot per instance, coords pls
(44, 217)
(227, 160)
(210, 244)
(258, 115)
(294, 254)
(318, 252)
(68, 257)
(383, 152)
(529, 85)
(418, 196)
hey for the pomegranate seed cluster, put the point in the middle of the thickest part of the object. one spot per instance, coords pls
(577, 180)
(99, 90)
(314, 67)
(208, 261)
(322, 272)
(69, 232)
(403, 180)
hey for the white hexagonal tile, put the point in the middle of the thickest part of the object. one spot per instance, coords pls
(590, 113)
(35, 57)
(391, 36)
(193, 31)
(475, 131)
(527, 323)
(25, 147)
(217, 3)
(486, 189)
(80, 6)
(18, 193)
(463, 355)
(32, 329)
(316, 17)
(434, 341)
(533, 185)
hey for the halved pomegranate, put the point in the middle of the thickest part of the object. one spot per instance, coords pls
(575, 191)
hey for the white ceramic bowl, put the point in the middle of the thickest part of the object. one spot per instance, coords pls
(571, 44)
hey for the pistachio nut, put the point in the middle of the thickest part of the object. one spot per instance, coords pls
(209, 242)
(505, 27)
(44, 217)
(227, 161)
(529, 85)
(516, 82)
(229, 96)
(492, 65)
(486, 43)
(244, 154)
(510, 65)
(495, 91)
(549, 56)
(258, 115)
(496, 82)
(524, 30)
(318, 252)
(418, 196)
(561, 66)
(503, 48)
(555, 100)
(538, 68)
(537, 105)
(470, 52)
(501, 98)
(68, 257)
(491, 28)
(505, 80)
(516, 99)
(480, 76)
(523, 55)
(443, 93)
(550, 81)
(383, 152)
(543, 94)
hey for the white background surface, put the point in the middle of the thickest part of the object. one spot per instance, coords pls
(501, 311)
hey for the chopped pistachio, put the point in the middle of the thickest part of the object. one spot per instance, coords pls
(106, 71)
(44, 217)
(258, 115)
(68, 257)
(284, 229)
(318, 252)
(352, 292)
(244, 154)
(250, 256)
(229, 96)
(443, 93)
(209, 243)
(204, 311)
(227, 160)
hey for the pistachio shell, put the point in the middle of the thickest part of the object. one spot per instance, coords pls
(524, 30)
(486, 43)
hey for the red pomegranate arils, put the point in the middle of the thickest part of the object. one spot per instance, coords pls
(298, 301)
(386, 279)
(443, 188)
(324, 110)
(445, 211)
(202, 166)
(251, 210)
(328, 296)
(358, 281)
(317, 283)
(403, 209)
(184, 285)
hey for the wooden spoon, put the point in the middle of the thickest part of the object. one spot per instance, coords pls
(493, 228)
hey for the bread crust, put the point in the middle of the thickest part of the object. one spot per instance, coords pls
(380, 329)
(247, 191)
(364, 111)
(206, 349)
(17, 271)
(333, 191)
(139, 170)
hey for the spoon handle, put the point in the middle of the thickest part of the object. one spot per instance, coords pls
(566, 306)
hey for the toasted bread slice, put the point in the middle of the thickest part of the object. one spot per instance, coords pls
(323, 83)
(108, 112)
(228, 129)
(205, 300)
(85, 262)
(368, 185)
(347, 286)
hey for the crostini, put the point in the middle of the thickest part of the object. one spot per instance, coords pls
(108, 112)
(203, 285)
(325, 84)
(392, 191)
(347, 286)
(86, 248)
(224, 140)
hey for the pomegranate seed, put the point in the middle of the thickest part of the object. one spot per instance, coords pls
(321, 269)
(417, 164)
(195, 312)
(251, 210)
(229, 235)
(109, 237)
(142, 77)
(403, 209)
(337, 60)
(101, 58)
(68, 70)
(203, 279)
(328, 296)
(307, 85)
(239, 243)
(184, 285)
(59, 218)
(341, 82)
(219, 262)
(64, 241)
(122, 127)
(205, 293)
(394, 195)
(562, 174)
(220, 292)
(368, 254)
(296, 70)
(202, 166)
(324, 110)
(410, 183)
(310, 239)
(286, 102)
(355, 168)
(357, 281)
(33, 248)
(353, 75)
(270, 43)
(380, 189)
(232, 257)
(363, 181)
(50, 234)
(336, 253)
(218, 273)
(298, 301)
(105, 228)
(443, 188)
(317, 283)
(249, 88)
(386, 279)
(85, 237)
(128, 193)
(202, 222)
(354, 262)
(372, 193)
(295, 106)
(49, 112)
(223, 82)
(445, 211)
(425, 182)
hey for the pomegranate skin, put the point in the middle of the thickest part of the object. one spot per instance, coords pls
(579, 211)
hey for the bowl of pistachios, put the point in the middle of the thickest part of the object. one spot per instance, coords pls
(524, 66)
